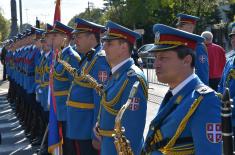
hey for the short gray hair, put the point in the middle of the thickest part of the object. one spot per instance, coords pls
(207, 35)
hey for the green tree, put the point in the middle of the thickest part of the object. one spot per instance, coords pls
(4, 27)
(143, 14)
(231, 12)
(93, 15)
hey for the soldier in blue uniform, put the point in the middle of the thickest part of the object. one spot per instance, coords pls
(118, 46)
(34, 116)
(36, 55)
(28, 79)
(19, 78)
(47, 44)
(83, 101)
(228, 76)
(188, 23)
(188, 120)
(9, 66)
(62, 78)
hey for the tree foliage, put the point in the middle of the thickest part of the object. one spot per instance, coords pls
(93, 15)
(4, 27)
(143, 14)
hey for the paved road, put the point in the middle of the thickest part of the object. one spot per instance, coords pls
(14, 141)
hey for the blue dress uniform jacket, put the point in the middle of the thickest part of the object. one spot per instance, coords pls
(37, 60)
(15, 60)
(83, 101)
(30, 73)
(45, 80)
(134, 118)
(39, 78)
(30, 62)
(24, 67)
(228, 81)
(202, 133)
(20, 58)
(19, 67)
(201, 63)
(62, 81)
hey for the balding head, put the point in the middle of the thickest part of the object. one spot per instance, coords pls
(208, 36)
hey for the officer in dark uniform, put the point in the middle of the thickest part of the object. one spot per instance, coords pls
(3, 61)
(118, 46)
(188, 23)
(188, 120)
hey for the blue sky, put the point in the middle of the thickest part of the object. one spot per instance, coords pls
(44, 9)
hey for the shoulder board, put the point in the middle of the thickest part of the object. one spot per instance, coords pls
(101, 53)
(131, 72)
(135, 71)
(203, 89)
(74, 53)
(77, 57)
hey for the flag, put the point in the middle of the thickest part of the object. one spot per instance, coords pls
(55, 137)
(57, 14)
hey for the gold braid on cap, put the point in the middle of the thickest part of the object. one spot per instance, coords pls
(178, 43)
(117, 35)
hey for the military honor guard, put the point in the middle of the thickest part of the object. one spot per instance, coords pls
(228, 76)
(188, 23)
(62, 79)
(188, 120)
(29, 84)
(39, 71)
(9, 68)
(83, 101)
(37, 48)
(45, 63)
(118, 45)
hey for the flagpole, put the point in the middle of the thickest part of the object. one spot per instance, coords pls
(43, 140)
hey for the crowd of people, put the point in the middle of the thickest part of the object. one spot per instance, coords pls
(89, 72)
